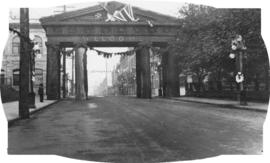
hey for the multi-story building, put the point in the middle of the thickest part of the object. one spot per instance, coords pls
(11, 57)
(124, 75)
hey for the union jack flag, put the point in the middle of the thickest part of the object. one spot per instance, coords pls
(124, 14)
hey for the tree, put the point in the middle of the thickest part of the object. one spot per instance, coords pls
(205, 42)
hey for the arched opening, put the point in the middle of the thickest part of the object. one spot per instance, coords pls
(16, 45)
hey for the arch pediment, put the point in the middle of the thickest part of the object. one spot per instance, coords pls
(94, 25)
(99, 14)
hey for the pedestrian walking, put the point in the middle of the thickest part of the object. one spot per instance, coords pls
(41, 92)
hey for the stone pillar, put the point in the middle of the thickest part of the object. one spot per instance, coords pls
(143, 73)
(53, 72)
(138, 74)
(80, 74)
(85, 75)
(170, 75)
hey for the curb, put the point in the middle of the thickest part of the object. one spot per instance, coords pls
(223, 105)
(10, 122)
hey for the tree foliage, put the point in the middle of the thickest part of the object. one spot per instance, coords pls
(126, 78)
(204, 41)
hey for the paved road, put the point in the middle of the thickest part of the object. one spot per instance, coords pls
(126, 129)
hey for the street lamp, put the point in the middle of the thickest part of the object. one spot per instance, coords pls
(232, 55)
(35, 51)
(238, 47)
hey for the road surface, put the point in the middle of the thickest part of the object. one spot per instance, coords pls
(126, 129)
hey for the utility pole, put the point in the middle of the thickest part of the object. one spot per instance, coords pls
(64, 7)
(24, 64)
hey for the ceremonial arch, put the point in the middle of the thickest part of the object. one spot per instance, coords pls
(111, 24)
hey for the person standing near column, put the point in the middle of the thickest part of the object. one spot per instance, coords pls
(41, 92)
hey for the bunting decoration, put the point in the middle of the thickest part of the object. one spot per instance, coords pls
(109, 55)
(26, 39)
(129, 52)
(155, 50)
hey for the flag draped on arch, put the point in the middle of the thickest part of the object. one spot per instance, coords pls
(124, 14)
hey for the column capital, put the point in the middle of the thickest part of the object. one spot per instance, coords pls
(145, 44)
(81, 45)
(53, 45)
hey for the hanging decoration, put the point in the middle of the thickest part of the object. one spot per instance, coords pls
(155, 50)
(109, 55)
(26, 39)
(125, 14)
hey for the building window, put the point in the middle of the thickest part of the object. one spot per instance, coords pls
(2, 77)
(38, 40)
(16, 77)
(16, 45)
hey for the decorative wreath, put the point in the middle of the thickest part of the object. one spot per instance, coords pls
(239, 77)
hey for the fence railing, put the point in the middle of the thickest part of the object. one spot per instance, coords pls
(6, 81)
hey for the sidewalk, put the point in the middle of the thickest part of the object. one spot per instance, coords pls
(12, 108)
(255, 106)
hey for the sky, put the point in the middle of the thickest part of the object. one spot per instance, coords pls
(168, 8)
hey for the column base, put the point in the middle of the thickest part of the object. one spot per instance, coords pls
(31, 100)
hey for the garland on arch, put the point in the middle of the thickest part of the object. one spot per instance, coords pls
(129, 52)
(25, 38)
(141, 45)
(109, 55)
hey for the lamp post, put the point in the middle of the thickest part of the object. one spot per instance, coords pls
(34, 52)
(238, 47)
(32, 79)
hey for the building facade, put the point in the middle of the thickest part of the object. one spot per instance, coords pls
(124, 76)
(11, 57)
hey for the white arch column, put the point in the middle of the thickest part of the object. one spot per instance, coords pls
(80, 76)
(143, 72)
